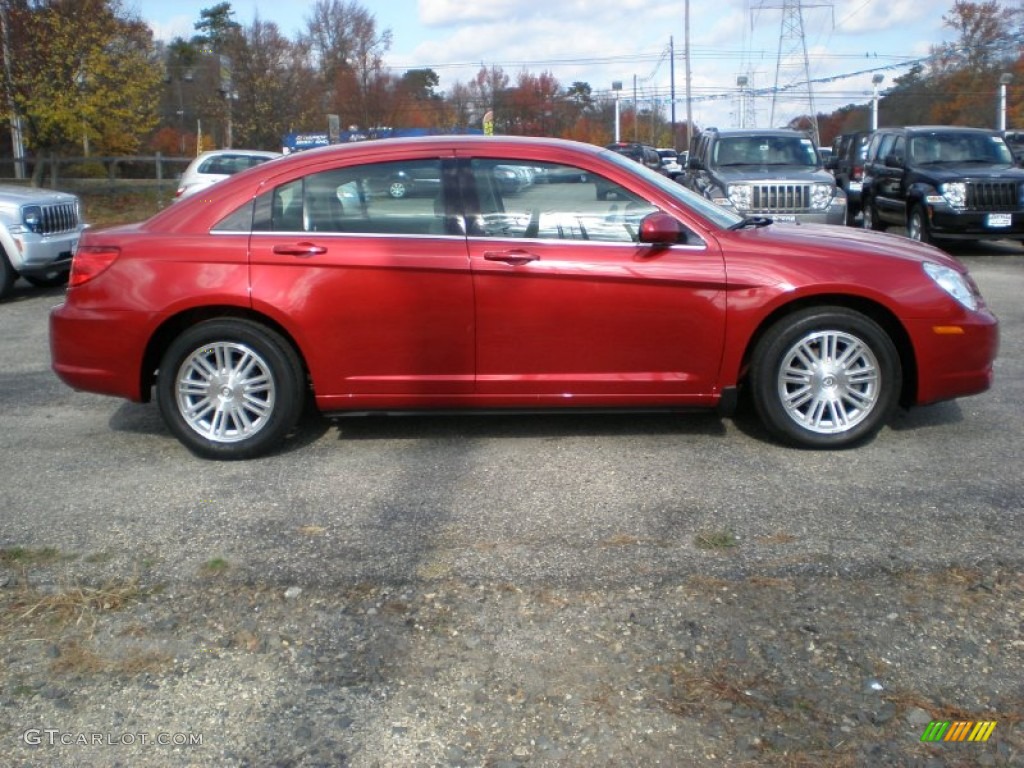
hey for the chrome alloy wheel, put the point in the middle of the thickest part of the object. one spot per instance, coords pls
(829, 382)
(225, 392)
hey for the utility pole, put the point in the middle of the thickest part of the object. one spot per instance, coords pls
(17, 138)
(689, 105)
(793, 45)
(672, 85)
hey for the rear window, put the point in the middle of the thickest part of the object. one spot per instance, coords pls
(230, 164)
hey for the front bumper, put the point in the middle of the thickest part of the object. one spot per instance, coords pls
(949, 224)
(954, 357)
(38, 254)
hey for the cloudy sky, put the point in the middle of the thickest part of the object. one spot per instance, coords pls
(603, 41)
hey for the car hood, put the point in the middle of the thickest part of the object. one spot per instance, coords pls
(738, 173)
(961, 171)
(835, 242)
(33, 195)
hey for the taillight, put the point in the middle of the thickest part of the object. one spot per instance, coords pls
(858, 173)
(91, 261)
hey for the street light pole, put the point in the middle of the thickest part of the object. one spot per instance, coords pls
(616, 88)
(1004, 80)
(876, 80)
(741, 83)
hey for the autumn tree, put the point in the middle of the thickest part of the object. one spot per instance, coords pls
(273, 91)
(347, 51)
(83, 72)
(966, 71)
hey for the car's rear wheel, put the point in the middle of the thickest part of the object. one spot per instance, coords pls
(398, 189)
(230, 389)
(825, 377)
(917, 225)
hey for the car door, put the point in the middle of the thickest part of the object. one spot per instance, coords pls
(889, 187)
(376, 289)
(571, 309)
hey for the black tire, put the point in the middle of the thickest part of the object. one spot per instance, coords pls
(8, 277)
(825, 377)
(398, 189)
(230, 389)
(869, 216)
(917, 225)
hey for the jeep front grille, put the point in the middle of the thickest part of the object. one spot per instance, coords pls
(992, 196)
(780, 198)
(59, 218)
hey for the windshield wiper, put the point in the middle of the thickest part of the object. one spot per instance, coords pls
(755, 222)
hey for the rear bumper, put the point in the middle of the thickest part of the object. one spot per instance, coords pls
(99, 352)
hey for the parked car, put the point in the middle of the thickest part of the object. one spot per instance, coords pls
(39, 230)
(639, 153)
(237, 310)
(1015, 141)
(216, 165)
(943, 183)
(774, 173)
(846, 163)
(670, 163)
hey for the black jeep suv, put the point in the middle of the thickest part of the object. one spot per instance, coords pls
(943, 183)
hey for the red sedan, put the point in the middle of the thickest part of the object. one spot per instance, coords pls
(593, 283)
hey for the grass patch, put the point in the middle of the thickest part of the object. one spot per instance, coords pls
(21, 557)
(105, 206)
(716, 540)
(74, 604)
(215, 567)
(75, 658)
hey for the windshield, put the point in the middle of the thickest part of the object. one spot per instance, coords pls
(716, 214)
(765, 150)
(960, 148)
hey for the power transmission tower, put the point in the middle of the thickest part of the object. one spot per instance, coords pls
(792, 67)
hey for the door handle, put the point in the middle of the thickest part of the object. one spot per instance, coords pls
(300, 249)
(514, 258)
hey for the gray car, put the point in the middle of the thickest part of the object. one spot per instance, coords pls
(773, 173)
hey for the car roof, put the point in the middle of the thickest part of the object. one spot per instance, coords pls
(935, 128)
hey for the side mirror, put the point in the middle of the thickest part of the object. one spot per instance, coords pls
(660, 229)
(892, 161)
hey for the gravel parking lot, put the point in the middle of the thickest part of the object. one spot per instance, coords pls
(578, 590)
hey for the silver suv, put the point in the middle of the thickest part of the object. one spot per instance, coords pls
(39, 230)
(774, 173)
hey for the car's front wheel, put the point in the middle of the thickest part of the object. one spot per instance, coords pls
(7, 275)
(869, 216)
(917, 225)
(398, 189)
(825, 377)
(230, 389)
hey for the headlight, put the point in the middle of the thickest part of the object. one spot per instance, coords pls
(741, 195)
(821, 196)
(953, 283)
(955, 193)
(32, 218)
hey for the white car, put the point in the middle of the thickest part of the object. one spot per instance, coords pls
(210, 167)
